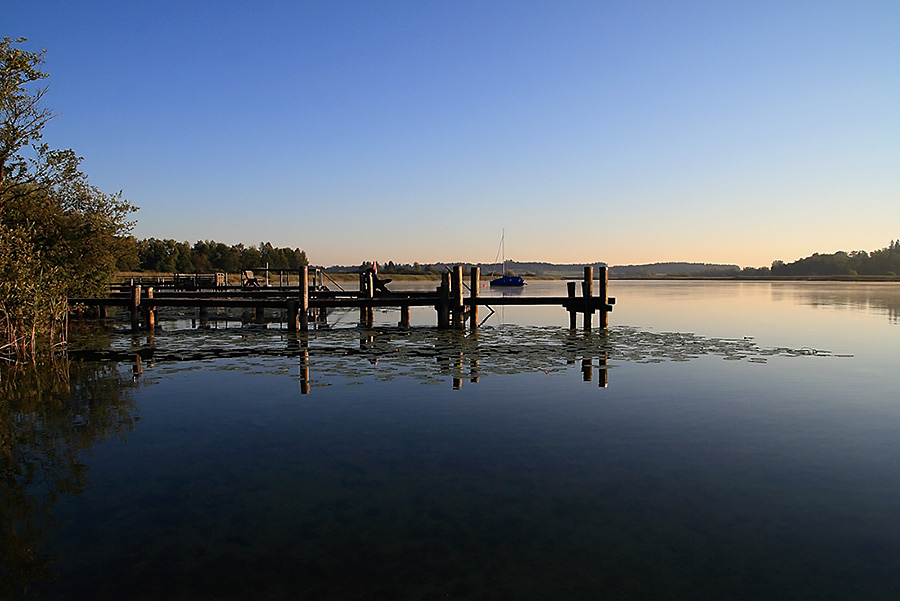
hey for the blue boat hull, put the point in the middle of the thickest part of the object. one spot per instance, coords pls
(508, 280)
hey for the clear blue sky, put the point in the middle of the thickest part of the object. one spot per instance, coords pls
(626, 132)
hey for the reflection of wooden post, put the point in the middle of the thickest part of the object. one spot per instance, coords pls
(474, 283)
(456, 293)
(304, 369)
(572, 312)
(587, 291)
(443, 303)
(204, 315)
(586, 369)
(260, 315)
(135, 308)
(304, 299)
(603, 373)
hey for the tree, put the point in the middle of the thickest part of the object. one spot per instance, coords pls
(59, 236)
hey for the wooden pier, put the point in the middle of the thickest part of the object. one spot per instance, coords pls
(455, 306)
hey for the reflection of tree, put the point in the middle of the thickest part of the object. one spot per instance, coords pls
(876, 298)
(49, 414)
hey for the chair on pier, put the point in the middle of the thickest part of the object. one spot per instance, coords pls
(248, 280)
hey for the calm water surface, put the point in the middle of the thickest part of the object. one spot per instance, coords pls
(720, 441)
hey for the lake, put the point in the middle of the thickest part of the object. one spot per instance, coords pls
(722, 440)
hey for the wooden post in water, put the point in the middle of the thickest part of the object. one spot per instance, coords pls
(443, 303)
(291, 315)
(362, 294)
(304, 299)
(150, 312)
(456, 294)
(603, 293)
(367, 290)
(404, 316)
(474, 283)
(573, 313)
(135, 308)
(260, 315)
(587, 291)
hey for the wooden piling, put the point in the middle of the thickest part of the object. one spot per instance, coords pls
(603, 293)
(362, 294)
(135, 308)
(587, 291)
(150, 312)
(366, 290)
(404, 316)
(573, 313)
(456, 293)
(474, 284)
(291, 316)
(304, 299)
(443, 302)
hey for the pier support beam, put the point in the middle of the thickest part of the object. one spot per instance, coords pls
(457, 307)
(443, 303)
(603, 293)
(304, 299)
(149, 312)
(573, 313)
(135, 308)
(587, 291)
(474, 284)
(366, 290)
(291, 316)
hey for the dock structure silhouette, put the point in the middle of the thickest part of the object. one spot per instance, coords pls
(456, 303)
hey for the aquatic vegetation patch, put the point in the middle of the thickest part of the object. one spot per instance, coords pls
(430, 355)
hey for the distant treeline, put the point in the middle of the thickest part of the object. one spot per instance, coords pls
(205, 256)
(884, 262)
(553, 270)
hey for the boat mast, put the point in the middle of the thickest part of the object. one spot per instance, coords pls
(503, 249)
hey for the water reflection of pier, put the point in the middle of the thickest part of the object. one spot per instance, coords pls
(454, 358)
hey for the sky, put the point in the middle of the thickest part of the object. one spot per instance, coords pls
(623, 132)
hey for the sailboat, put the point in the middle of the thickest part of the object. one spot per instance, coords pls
(505, 279)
